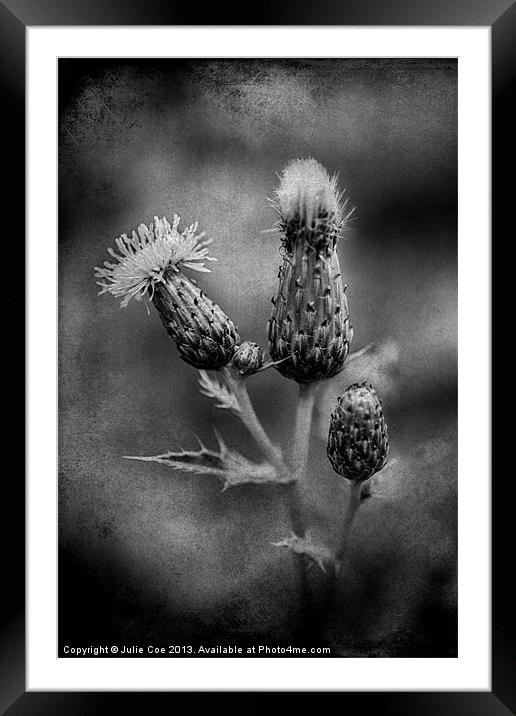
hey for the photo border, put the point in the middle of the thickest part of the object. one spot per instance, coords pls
(15, 17)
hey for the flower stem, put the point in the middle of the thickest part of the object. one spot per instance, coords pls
(302, 429)
(298, 459)
(333, 584)
(250, 419)
(299, 454)
(354, 501)
(297, 462)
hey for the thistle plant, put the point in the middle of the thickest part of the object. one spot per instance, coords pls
(309, 335)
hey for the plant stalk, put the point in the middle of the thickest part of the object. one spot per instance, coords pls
(354, 501)
(297, 462)
(248, 416)
(338, 572)
(299, 455)
(302, 429)
(298, 459)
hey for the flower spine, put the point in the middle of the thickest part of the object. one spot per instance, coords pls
(358, 443)
(150, 262)
(310, 322)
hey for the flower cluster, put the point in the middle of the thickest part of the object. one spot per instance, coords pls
(309, 332)
(309, 335)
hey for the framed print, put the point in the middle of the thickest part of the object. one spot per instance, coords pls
(258, 267)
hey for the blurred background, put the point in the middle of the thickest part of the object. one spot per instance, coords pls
(149, 555)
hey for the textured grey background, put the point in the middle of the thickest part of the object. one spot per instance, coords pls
(147, 553)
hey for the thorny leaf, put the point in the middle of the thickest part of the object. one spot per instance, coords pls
(227, 464)
(312, 548)
(219, 392)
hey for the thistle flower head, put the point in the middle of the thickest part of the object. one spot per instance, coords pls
(309, 205)
(248, 358)
(309, 330)
(150, 261)
(357, 441)
(147, 254)
(204, 335)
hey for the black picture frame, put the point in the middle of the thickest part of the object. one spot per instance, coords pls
(15, 17)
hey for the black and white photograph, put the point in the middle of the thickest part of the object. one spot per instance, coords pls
(256, 343)
(257, 357)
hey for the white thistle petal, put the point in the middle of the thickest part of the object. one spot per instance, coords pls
(143, 258)
(306, 190)
(308, 200)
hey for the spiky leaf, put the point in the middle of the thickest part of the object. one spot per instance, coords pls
(228, 465)
(220, 392)
(310, 547)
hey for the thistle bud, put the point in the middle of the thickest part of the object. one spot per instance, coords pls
(357, 442)
(310, 322)
(205, 337)
(150, 263)
(248, 358)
